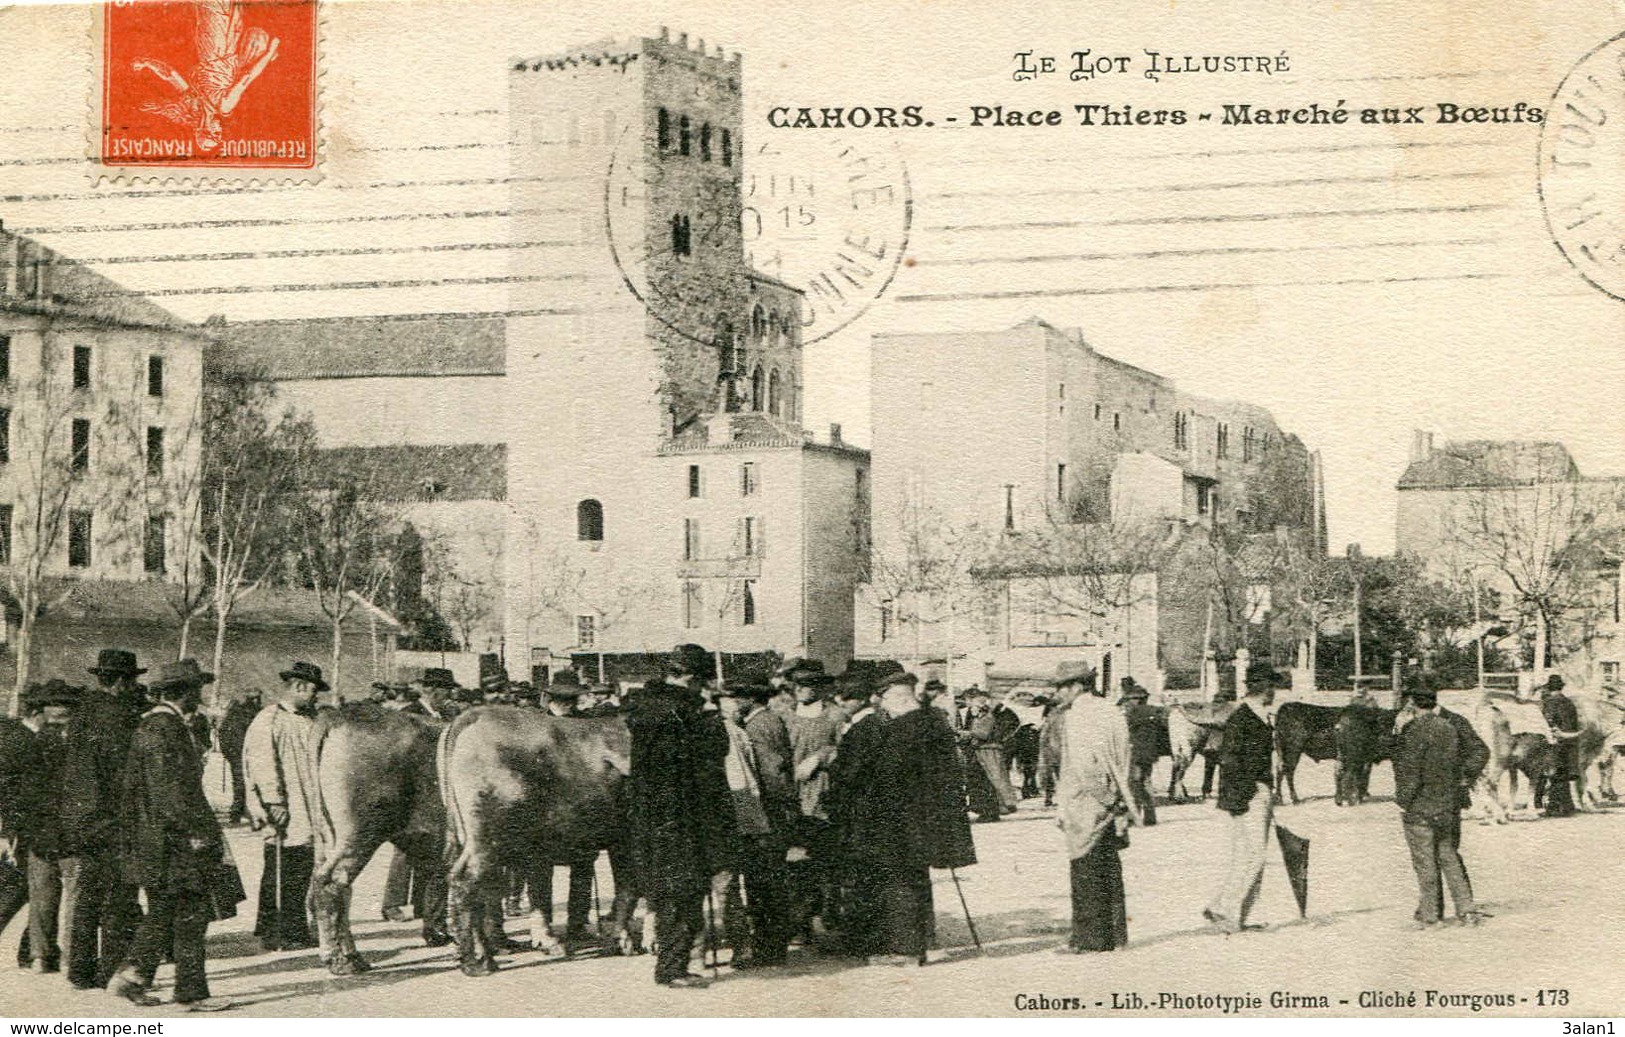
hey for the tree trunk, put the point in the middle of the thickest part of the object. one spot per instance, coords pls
(24, 647)
(186, 633)
(338, 649)
(222, 615)
(1542, 646)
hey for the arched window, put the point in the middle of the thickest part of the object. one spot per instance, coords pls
(705, 142)
(758, 323)
(682, 135)
(664, 129)
(756, 389)
(773, 401)
(589, 520)
(727, 148)
(773, 325)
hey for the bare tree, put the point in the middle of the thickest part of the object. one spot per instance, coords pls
(464, 598)
(1540, 537)
(347, 540)
(925, 575)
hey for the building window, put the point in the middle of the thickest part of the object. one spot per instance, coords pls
(747, 604)
(1117, 421)
(155, 450)
(756, 389)
(589, 520)
(693, 605)
(152, 545)
(663, 129)
(586, 631)
(682, 241)
(758, 323)
(705, 142)
(1249, 443)
(80, 457)
(5, 534)
(691, 540)
(887, 616)
(155, 376)
(1009, 507)
(81, 367)
(1222, 441)
(1204, 498)
(1097, 412)
(752, 541)
(693, 480)
(727, 148)
(1060, 481)
(1182, 431)
(79, 539)
(5, 435)
(747, 479)
(775, 402)
(682, 135)
(5, 358)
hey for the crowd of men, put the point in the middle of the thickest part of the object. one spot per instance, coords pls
(796, 806)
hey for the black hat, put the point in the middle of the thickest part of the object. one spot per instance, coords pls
(934, 684)
(185, 673)
(1132, 692)
(116, 662)
(54, 692)
(806, 672)
(1261, 676)
(310, 673)
(689, 660)
(1555, 682)
(890, 679)
(437, 677)
(1423, 696)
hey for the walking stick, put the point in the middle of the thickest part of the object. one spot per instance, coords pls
(277, 874)
(711, 932)
(975, 938)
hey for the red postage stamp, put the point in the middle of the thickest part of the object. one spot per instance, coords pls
(200, 84)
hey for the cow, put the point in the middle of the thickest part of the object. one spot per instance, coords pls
(1364, 735)
(1515, 748)
(1302, 729)
(1602, 732)
(524, 789)
(375, 783)
(1195, 730)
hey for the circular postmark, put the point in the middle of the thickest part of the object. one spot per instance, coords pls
(1582, 167)
(826, 216)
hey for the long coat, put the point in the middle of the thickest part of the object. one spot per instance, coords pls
(1427, 769)
(164, 808)
(912, 813)
(1093, 785)
(770, 739)
(99, 735)
(681, 811)
(234, 728)
(19, 763)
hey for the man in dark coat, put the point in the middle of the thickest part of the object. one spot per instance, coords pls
(1428, 768)
(851, 776)
(17, 752)
(233, 729)
(1564, 720)
(173, 845)
(1245, 798)
(1144, 721)
(910, 819)
(51, 872)
(679, 802)
(767, 877)
(105, 911)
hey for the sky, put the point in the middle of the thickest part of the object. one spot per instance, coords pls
(1359, 281)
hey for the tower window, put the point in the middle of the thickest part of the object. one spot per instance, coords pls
(1060, 481)
(682, 135)
(774, 400)
(5, 435)
(155, 376)
(747, 604)
(5, 358)
(79, 460)
(155, 450)
(79, 539)
(1182, 431)
(663, 129)
(1117, 421)
(727, 148)
(1222, 441)
(747, 479)
(81, 367)
(756, 389)
(694, 480)
(1009, 507)
(5, 534)
(589, 520)
(705, 142)
(152, 545)
(758, 323)
(691, 540)
(681, 241)
(1097, 412)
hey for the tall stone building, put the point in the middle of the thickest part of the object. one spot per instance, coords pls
(1030, 435)
(663, 489)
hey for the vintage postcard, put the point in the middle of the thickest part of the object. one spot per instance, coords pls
(1097, 510)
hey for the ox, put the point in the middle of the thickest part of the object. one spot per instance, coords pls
(375, 783)
(1195, 731)
(1301, 730)
(1364, 735)
(526, 790)
(1519, 743)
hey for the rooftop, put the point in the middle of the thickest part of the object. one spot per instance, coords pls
(71, 289)
(1487, 462)
(457, 472)
(401, 346)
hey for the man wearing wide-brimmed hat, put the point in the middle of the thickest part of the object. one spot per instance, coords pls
(281, 792)
(1245, 793)
(51, 870)
(105, 912)
(173, 845)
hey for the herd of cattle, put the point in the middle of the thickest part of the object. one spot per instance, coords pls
(503, 791)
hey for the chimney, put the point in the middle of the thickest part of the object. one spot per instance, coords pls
(1421, 445)
(665, 32)
(834, 433)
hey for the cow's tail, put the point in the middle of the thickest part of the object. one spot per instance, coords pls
(457, 841)
(325, 831)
